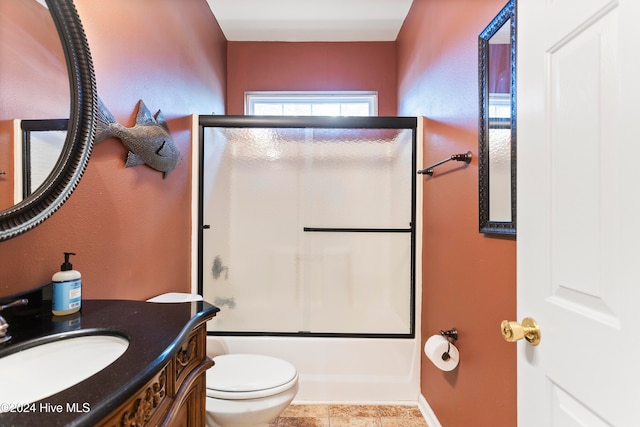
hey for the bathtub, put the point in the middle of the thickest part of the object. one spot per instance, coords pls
(339, 369)
(334, 369)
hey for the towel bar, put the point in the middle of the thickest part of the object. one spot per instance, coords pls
(466, 157)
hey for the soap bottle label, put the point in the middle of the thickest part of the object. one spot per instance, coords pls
(67, 295)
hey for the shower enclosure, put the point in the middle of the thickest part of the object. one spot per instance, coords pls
(307, 225)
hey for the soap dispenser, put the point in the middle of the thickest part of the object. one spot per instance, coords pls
(67, 289)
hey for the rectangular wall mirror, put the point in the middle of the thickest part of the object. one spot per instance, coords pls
(497, 128)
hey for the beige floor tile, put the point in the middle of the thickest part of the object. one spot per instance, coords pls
(316, 411)
(330, 415)
(352, 411)
(399, 411)
(303, 422)
(403, 422)
(355, 422)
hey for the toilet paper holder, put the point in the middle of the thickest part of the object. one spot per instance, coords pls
(450, 335)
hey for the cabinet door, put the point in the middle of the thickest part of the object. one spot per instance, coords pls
(192, 410)
(145, 407)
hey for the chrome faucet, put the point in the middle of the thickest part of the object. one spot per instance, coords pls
(3, 323)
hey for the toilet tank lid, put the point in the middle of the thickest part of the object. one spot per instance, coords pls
(248, 372)
(175, 297)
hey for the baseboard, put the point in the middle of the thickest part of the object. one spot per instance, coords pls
(427, 412)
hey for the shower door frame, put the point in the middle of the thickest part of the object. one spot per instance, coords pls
(316, 122)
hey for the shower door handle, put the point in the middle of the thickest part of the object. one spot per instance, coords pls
(206, 227)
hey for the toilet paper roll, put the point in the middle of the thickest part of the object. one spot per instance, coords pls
(435, 347)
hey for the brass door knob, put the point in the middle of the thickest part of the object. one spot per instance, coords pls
(514, 331)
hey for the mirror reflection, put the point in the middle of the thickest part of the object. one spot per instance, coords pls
(34, 85)
(41, 143)
(497, 129)
(499, 116)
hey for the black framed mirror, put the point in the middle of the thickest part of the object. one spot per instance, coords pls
(69, 167)
(497, 127)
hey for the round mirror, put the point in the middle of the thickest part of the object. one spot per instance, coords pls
(67, 170)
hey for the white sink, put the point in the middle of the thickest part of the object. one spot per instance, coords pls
(46, 369)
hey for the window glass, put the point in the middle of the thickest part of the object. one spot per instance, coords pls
(311, 103)
(326, 110)
(267, 109)
(355, 109)
(291, 109)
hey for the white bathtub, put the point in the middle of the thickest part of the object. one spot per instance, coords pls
(335, 369)
(339, 369)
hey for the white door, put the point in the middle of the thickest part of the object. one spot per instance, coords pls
(578, 240)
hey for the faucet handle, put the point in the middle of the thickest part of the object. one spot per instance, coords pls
(3, 330)
(3, 323)
(22, 301)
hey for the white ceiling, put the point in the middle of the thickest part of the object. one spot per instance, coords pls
(310, 20)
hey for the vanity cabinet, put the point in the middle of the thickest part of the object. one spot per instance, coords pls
(160, 380)
(176, 394)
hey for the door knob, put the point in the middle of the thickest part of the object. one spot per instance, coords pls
(514, 331)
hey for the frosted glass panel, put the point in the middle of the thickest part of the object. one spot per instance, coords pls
(265, 187)
(358, 282)
(46, 147)
(358, 178)
(500, 174)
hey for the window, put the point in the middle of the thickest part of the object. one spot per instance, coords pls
(311, 103)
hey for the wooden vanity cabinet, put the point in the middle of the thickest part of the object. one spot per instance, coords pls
(175, 396)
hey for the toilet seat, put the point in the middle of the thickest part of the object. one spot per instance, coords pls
(249, 376)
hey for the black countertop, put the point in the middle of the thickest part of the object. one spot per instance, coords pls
(155, 332)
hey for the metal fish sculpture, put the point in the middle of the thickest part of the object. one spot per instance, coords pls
(149, 140)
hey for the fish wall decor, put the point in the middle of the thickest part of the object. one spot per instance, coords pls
(149, 140)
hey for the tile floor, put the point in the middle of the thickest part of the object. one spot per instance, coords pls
(332, 415)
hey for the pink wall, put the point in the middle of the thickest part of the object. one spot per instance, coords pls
(130, 227)
(255, 66)
(469, 278)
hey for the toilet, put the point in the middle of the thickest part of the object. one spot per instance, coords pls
(243, 390)
(248, 390)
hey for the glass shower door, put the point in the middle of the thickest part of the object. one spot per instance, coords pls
(308, 230)
(357, 231)
(251, 250)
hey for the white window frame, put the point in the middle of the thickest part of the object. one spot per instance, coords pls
(314, 97)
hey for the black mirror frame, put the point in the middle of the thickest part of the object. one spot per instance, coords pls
(485, 224)
(66, 174)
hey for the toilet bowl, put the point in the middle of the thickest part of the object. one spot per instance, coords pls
(243, 390)
(248, 390)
